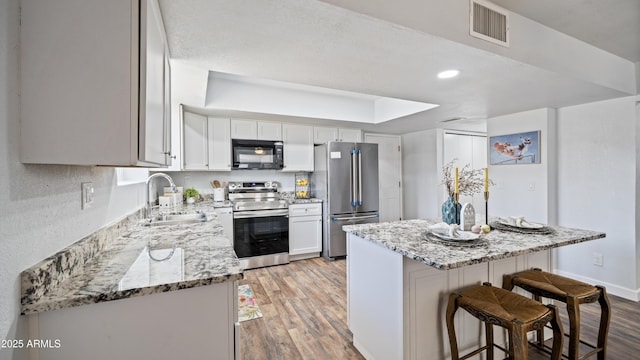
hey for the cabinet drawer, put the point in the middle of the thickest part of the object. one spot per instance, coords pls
(305, 209)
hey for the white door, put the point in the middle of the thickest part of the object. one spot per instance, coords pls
(390, 175)
(468, 149)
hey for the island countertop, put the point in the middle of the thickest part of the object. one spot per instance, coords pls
(114, 263)
(405, 237)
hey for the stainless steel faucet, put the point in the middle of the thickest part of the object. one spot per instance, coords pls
(148, 202)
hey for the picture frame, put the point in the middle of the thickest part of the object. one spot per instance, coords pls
(518, 148)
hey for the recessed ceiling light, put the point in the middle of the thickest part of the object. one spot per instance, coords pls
(448, 74)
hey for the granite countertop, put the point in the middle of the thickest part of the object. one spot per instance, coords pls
(304, 201)
(129, 259)
(405, 237)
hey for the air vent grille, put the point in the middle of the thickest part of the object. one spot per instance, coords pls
(489, 22)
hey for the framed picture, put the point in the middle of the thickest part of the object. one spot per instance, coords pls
(521, 148)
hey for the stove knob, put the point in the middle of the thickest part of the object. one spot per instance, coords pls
(267, 184)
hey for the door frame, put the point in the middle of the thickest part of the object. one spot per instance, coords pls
(401, 191)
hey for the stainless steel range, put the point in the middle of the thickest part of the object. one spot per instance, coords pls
(260, 224)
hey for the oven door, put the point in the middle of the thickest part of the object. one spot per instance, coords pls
(260, 232)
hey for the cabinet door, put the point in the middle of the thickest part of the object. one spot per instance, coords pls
(298, 147)
(244, 129)
(322, 135)
(195, 142)
(269, 130)
(219, 144)
(305, 235)
(152, 120)
(349, 135)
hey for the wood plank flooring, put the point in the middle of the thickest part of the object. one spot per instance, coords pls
(305, 315)
(304, 307)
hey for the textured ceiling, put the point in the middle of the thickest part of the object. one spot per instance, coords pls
(314, 43)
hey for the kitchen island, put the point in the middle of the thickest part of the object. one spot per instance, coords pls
(398, 283)
(175, 286)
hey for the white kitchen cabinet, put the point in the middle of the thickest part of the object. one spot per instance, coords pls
(256, 130)
(305, 230)
(244, 129)
(349, 135)
(324, 134)
(269, 130)
(206, 143)
(94, 82)
(297, 147)
(202, 320)
(219, 143)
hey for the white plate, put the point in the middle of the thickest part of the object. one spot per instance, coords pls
(460, 235)
(523, 225)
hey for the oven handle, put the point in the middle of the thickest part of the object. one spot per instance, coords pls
(260, 213)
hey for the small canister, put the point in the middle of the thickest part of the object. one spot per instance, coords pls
(218, 194)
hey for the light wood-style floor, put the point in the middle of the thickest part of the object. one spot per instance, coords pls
(304, 307)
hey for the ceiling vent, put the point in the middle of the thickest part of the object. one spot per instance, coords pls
(489, 22)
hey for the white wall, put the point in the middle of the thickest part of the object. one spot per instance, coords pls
(40, 204)
(511, 194)
(421, 175)
(597, 181)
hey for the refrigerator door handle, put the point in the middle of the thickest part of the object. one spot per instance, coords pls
(346, 218)
(354, 179)
(359, 177)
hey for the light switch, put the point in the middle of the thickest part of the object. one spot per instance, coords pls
(87, 195)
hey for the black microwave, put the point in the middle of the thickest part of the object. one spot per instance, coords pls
(256, 154)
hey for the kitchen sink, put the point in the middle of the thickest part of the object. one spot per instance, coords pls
(173, 219)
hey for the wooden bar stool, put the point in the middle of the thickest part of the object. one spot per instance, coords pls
(516, 313)
(573, 293)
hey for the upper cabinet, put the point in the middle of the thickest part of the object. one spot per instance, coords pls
(324, 134)
(298, 147)
(256, 130)
(95, 83)
(206, 144)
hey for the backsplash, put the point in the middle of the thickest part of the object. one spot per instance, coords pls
(200, 179)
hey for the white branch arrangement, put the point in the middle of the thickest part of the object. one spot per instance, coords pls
(469, 181)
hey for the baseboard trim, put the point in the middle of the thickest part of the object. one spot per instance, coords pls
(613, 289)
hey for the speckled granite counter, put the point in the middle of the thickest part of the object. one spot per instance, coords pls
(405, 281)
(114, 263)
(405, 238)
(290, 196)
(304, 201)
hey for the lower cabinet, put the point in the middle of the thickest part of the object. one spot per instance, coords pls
(305, 231)
(200, 322)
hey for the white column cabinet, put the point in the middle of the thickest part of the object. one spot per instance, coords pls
(101, 91)
(298, 147)
(305, 230)
(206, 143)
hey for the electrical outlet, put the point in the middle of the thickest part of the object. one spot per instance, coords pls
(597, 259)
(87, 195)
(532, 186)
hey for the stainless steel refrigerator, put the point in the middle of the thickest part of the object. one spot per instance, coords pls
(346, 179)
